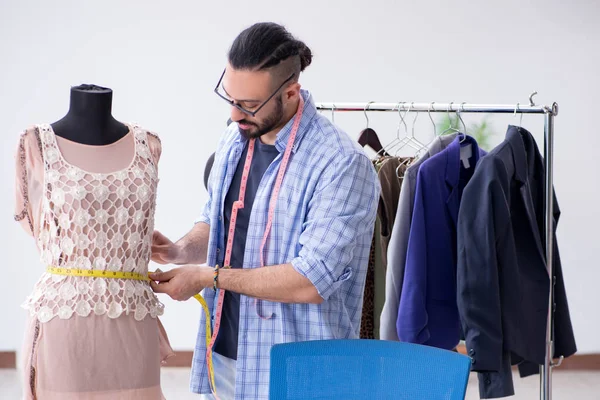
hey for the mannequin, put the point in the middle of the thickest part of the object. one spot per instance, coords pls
(89, 120)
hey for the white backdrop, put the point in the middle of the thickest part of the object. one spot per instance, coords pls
(163, 60)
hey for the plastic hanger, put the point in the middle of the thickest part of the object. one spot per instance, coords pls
(368, 137)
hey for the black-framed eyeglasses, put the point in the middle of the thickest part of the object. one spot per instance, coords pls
(242, 109)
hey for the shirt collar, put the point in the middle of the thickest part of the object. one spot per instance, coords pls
(308, 113)
(453, 157)
(524, 149)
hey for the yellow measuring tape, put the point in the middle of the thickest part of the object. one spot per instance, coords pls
(140, 277)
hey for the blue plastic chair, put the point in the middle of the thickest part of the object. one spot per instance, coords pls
(366, 369)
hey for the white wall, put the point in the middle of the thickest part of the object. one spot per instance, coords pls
(162, 61)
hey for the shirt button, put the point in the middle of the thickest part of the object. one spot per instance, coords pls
(220, 218)
(218, 250)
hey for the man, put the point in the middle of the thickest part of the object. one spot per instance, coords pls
(301, 276)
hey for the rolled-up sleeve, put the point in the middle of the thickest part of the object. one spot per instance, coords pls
(205, 214)
(342, 210)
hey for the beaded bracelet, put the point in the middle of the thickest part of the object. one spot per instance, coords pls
(216, 277)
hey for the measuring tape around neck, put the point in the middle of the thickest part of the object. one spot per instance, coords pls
(239, 204)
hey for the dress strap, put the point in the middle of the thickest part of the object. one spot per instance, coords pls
(145, 149)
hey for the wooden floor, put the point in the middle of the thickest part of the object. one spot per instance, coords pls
(570, 385)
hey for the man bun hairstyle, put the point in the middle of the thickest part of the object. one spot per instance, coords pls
(269, 46)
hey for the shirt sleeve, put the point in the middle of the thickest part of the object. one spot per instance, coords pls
(341, 211)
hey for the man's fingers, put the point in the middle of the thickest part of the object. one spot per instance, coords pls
(162, 249)
(160, 287)
(163, 276)
(159, 239)
(161, 253)
(158, 260)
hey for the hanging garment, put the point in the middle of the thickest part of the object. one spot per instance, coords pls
(91, 338)
(390, 171)
(396, 254)
(428, 312)
(367, 320)
(391, 175)
(369, 317)
(502, 278)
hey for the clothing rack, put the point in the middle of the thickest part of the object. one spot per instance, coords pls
(549, 113)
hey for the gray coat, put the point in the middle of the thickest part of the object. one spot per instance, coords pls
(399, 241)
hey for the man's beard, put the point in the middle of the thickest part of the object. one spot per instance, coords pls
(269, 124)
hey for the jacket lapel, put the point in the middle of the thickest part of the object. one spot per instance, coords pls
(514, 137)
(453, 172)
(452, 178)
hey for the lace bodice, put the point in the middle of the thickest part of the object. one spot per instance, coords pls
(100, 221)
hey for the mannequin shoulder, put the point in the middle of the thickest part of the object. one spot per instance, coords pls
(155, 145)
(153, 137)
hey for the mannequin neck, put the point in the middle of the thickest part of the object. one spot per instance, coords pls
(89, 120)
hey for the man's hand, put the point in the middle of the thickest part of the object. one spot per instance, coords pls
(164, 251)
(182, 283)
(190, 249)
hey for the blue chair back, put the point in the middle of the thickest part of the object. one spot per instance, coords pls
(366, 369)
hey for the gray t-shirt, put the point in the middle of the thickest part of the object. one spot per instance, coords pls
(227, 339)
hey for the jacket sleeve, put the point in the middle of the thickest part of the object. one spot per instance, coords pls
(483, 222)
(412, 314)
(394, 275)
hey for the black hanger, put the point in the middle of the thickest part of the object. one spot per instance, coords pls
(368, 137)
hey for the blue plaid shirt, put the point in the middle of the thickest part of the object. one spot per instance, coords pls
(323, 226)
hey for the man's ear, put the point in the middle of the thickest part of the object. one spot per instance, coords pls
(292, 91)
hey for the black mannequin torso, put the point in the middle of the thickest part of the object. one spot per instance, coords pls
(89, 120)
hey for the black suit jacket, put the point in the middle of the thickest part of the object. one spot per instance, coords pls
(503, 283)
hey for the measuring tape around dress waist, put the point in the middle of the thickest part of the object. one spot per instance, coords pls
(237, 205)
(94, 273)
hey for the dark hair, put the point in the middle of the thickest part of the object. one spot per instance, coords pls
(267, 45)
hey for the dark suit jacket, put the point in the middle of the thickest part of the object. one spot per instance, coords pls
(503, 284)
(428, 312)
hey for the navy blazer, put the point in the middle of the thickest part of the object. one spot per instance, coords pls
(428, 313)
(502, 278)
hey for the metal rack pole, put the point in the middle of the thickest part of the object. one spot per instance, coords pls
(546, 369)
(435, 107)
(550, 113)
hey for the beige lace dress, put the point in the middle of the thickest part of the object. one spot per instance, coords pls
(90, 207)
